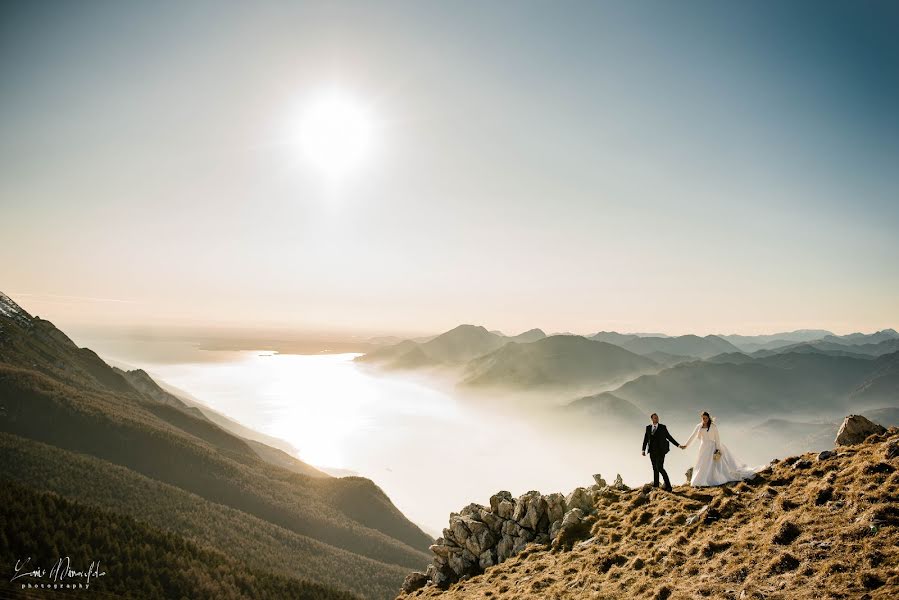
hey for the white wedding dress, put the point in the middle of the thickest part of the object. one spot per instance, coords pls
(708, 471)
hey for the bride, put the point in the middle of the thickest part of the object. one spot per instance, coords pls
(715, 464)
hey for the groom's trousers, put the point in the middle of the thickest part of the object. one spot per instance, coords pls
(658, 466)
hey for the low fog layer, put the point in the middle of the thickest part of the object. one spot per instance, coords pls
(434, 446)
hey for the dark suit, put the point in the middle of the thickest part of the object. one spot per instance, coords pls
(658, 447)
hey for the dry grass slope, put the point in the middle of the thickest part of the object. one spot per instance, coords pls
(804, 528)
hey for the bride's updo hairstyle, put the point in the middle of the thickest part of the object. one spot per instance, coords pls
(705, 414)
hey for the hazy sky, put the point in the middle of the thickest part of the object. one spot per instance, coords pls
(705, 166)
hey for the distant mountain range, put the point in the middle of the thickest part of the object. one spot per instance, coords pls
(113, 441)
(455, 347)
(467, 342)
(806, 372)
(816, 385)
(683, 345)
(559, 360)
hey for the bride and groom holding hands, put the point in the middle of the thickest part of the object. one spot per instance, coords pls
(715, 464)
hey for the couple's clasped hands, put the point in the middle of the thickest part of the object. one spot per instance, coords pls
(682, 447)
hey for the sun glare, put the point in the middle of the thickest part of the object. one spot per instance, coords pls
(336, 133)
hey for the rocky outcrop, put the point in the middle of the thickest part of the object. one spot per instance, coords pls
(480, 536)
(856, 429)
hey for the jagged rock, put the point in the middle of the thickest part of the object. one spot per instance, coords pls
(522, 540)
(579, 498)
(689, 474)
(414, 581)
(554, 529)
(571, 529)
(599, 480)
(441, 549)
(606, 492)
(441, 576)
(493, 521)
(619, 483)
(511, 528)
(499, 497)
(504, 547)
(855, 429)
(481, 538)
(458, 531)
(472, 510)
(529, 508)
(487, 558)
(555, 506)
(506, 509)
(826, 454)
(573, 516)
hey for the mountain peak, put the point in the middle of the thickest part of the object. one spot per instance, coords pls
(11, 310)
(468, 328)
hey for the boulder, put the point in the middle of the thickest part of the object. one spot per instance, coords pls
(458, 530)
(414, 581)
(555, 506)
(554, 529)
(522, 540)
(481, 538)
(572, 517)
(441, 576)
(855, 429)
(472, 510)
(487, 558)
(499, 497)
(506, 509)
(493, 521)
(599, 480)
(579, 498)
(504, 547)
(529, 509)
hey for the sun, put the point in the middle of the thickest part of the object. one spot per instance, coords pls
(336, 133)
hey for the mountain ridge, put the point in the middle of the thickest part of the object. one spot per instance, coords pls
(54, 394)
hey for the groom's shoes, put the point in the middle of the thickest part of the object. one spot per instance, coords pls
(667, 488)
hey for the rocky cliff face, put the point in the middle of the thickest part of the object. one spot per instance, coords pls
(809, 526)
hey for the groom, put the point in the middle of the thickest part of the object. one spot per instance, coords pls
(656, 439)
